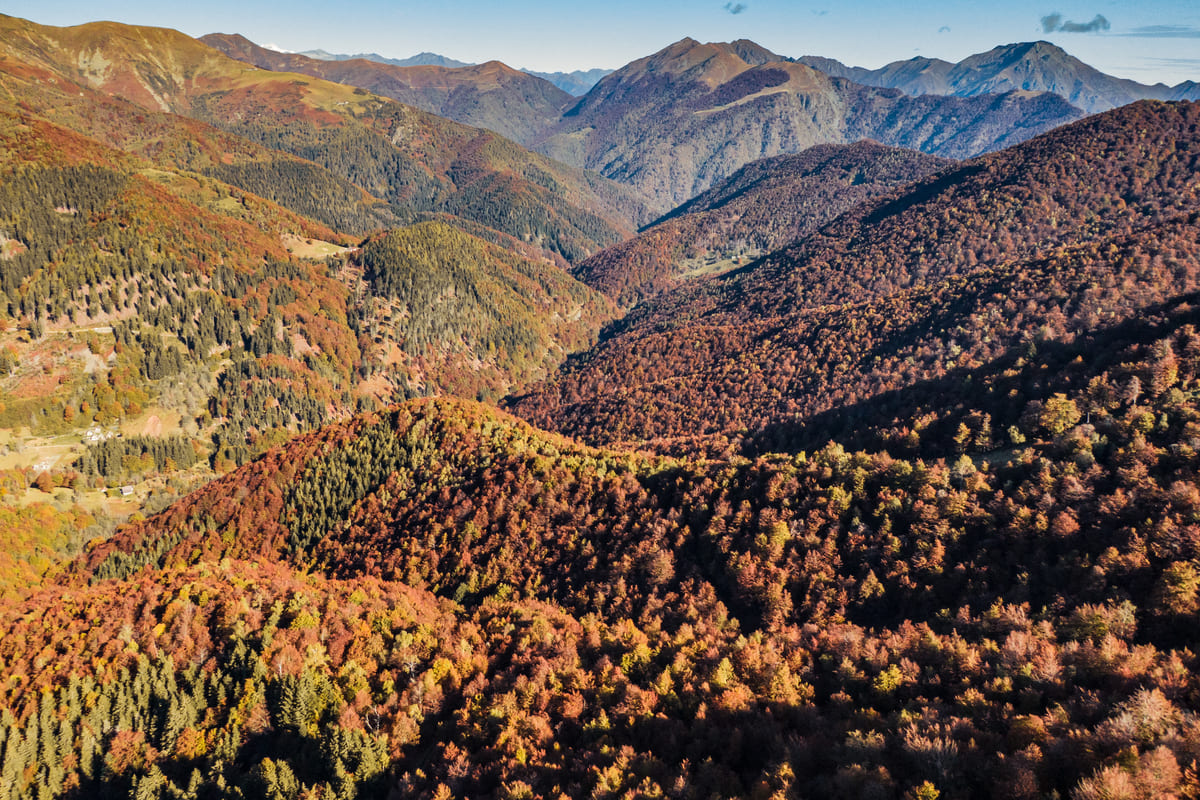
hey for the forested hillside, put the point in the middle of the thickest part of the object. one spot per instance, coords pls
(171, 142)
(159, 326)
(762, 207)
(155, 277)
(154, 283)
(838, 623)
(449, 312)
(127, 279)
(1074, 232)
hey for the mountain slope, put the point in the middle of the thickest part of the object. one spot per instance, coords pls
(1056, 236)
(136, 292)
(452, 313)
(1030, 66)
(514, 104)
(133, 291)
(760, 208)
(172, 142)
(674, 123)
(415, 160)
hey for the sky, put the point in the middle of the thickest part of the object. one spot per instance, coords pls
(1147, 40)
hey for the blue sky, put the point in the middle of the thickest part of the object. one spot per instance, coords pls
(1150, 40)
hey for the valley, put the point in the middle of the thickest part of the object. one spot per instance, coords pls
(741, 426)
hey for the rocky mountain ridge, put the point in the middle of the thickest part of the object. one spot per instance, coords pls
(675, 122)
(1029, 66)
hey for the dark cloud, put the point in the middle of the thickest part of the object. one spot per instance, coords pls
(944, 29)
(1165, 32)
(735, 8)
(1054, 23)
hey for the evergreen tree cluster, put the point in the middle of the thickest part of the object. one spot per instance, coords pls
(131, 457)
(310, 191)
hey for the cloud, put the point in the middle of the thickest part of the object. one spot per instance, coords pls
(735, 8)
(1165, 32)
(1054, 23)
(1050, 22)
(1175, 62)
(944, 29)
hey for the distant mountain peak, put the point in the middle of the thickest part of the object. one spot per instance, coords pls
(575, 83)
(710, 63)
(750, 52)
(489, 67)
(1042, 46)
(754, 53)
(1018, 66)
(1023, 51)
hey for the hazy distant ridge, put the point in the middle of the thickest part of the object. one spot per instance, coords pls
(576, 82)
(419, 60)
(1028, 66)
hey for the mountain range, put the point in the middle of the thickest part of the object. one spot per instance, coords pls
(576, 82)
(491, 95)
(665, 124)
(1032, 66)
(1029, 66)
(419, 60)
(414, 160)
(675, 122)
(348, 450)
(747, 96)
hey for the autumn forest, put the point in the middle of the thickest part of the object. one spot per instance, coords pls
(732, 429)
